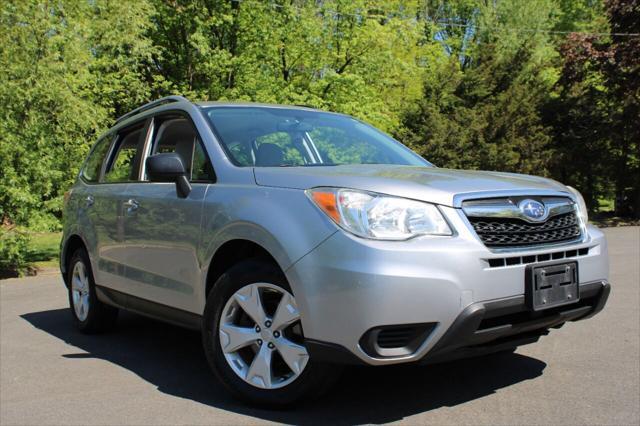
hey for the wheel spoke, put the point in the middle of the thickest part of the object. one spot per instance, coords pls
(259, 373)
(82, 273)
(76, 283)
(234, 337)
(249, 300)
(294, 355)
(286, 314)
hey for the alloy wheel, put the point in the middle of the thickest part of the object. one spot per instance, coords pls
(261, 336)
(80, 291)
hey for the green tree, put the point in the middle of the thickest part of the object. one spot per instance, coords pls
(67, 68)
(596, 113)
(466, 83)
(481, 105)
(579, 116)
(623, 79)
(350, 56)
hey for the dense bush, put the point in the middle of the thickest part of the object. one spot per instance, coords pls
(13, 251)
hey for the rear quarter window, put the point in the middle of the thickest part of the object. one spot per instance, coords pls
(93, 165)
(122, 167)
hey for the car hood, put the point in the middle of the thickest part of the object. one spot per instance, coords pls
(430, 184)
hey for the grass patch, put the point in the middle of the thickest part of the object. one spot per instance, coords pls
(44, 249)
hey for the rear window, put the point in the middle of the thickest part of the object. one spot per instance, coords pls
(93, 165)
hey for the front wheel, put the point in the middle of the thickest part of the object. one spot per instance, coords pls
(254, 341)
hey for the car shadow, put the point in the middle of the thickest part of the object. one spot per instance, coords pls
(172, 359)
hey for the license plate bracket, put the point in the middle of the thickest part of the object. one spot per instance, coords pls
(551, 285)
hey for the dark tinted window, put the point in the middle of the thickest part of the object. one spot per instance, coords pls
(121, 168)
(178, 135)
(91, 171)
(267, 137)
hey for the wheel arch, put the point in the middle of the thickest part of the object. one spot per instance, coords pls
(232, 252)
(72, 243)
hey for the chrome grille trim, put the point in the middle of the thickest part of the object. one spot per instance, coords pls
(458, 199)
(508, 207)
(500, 224)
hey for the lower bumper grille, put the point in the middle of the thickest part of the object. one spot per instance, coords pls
(527, 260)
(395, 340)
(510, 232)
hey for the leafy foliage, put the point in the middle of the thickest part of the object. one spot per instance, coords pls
(481, 108)
(67, 68)
(596, 116)
(466, 83)
(345, 56)
(14, 244)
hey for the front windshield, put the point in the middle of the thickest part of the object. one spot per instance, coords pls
(279, 137)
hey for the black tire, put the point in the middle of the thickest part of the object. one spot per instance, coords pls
(101, 317)
(314, 380)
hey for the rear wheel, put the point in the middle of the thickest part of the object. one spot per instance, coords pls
(254, 340)
(89, 314)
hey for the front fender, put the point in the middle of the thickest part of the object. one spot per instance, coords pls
(283, 221)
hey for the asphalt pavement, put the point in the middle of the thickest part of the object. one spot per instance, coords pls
(147, 372)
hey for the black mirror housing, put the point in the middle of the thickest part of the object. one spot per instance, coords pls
(168, 167)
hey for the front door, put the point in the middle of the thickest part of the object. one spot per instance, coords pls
(162, 230)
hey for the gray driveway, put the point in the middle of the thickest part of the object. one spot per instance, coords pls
(151, 373)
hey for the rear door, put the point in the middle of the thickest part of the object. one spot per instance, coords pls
(107, 205)
(89, 189)
(162, 230)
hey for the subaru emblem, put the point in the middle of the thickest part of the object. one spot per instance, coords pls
(533, 209)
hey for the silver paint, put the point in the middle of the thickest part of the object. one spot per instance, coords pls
(343, 285)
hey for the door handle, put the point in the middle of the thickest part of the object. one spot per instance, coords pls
(89, 200)
(131, 205)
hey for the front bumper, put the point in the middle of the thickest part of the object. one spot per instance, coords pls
(348, 286)
(488, 327)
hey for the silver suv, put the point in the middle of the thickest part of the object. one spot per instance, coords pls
(298, 240)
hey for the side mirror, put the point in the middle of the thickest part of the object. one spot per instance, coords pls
(168, 167)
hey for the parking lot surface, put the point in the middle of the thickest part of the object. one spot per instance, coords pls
(146, 372)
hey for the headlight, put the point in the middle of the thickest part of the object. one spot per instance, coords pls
(378, 216)
(582, 206)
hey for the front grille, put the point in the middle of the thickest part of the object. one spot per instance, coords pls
(511, 232)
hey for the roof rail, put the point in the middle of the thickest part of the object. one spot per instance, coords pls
(152, 104)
